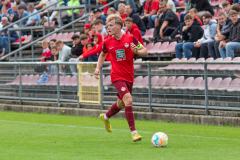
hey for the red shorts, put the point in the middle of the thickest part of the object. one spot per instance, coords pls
(123, 87)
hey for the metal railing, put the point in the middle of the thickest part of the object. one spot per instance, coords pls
(51, 33)
(146, 95)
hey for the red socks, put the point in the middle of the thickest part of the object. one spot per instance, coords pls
(130, 118)
(113, 110)
(128, 114)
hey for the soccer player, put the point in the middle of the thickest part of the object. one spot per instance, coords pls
(121, 48)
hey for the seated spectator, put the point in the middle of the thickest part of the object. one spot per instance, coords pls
(64, 54)
(122, 11)
(133, 29)
(167, 24)
(222, 28)
(150, 12)
(5, 39)
(111, 11)
(20, 2)
(193, 12)
(210, 28)
(64, 51)
(228, 47)
(6, 5)
(136, 19)
(171, 5)
(77, 50)
(226, 7)
(52, 43)
(46, 53)
(202, 5)
(99, 15)
(190, 33)
(21, 14)
(99, 27)
(92, 55)
(34, 19)
(45, 3)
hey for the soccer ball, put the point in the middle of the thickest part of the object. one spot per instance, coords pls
(159, 139)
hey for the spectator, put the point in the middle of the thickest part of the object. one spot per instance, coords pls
(226, 6)
(167, 24)
(133, 29)
(98, 15)
(210, 28)
(111, 11)
(222, 28)
(136, 19)
(64, 54)
(52, 43)
(64, 51)
(6, 5)
(171, 5)
(122, 11)
(75, 12)
(46, 53)
(20, 2)
(150, 12)
(229, 46)
(193, 12)
(99, 27)
(21, 14)
(77, 50)
(92, 55)
(190, 33)
(202, 5)
(4, 39)
(33, 19)
(46, 3)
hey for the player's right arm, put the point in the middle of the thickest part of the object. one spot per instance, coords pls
(100, 62)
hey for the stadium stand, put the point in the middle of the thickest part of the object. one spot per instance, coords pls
(169, 80)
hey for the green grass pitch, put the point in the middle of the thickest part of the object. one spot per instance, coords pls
(27, 136)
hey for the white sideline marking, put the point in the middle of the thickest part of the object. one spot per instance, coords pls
(115, 129)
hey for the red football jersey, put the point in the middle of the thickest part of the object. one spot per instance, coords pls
(121, 57)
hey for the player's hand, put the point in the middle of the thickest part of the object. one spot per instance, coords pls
(97, 73)
(80, 58)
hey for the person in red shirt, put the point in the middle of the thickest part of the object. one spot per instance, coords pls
(122, 11)
(133, 29)
(121, 48)
(150, 12)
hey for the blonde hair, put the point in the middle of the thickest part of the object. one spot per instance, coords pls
(116, 18)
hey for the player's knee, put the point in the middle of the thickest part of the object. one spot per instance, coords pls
(120, 104)
(127, 99)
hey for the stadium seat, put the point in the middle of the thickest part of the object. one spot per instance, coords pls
(52, 80)
(223, 67)
(161, 82)
(170, 82)
(178, 82)
(186, 84)
(225, 83)
(202, 85)
(214, 67)
(234, 85)
(164, 48)
(214, 84)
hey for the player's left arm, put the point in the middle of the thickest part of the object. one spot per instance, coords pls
(138, 48)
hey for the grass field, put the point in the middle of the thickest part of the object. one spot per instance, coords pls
(26, 136)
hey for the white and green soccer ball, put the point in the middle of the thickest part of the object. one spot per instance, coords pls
(159, 139)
